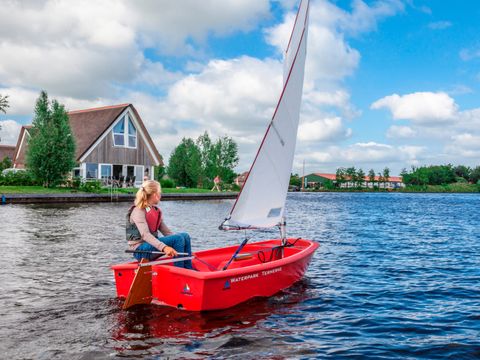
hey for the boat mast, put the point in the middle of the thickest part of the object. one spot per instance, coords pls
(283, 230)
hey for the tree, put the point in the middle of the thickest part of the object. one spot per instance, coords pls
(295, 180)
(219, 158)
(386, 175)
(6, 163)
(184, 165)
(51, 147)
(205, 146)
(360, 177)
(371, 177)
(351, 173)
(198, 163)
(475, 175)
(430, 175)
(159, 172)
(380, 180)
(340, 176)
(227, 151)
(462, 171)
(4, 103)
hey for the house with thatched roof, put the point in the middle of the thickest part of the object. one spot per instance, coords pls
(112, 143)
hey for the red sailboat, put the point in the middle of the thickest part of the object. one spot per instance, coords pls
(228, 276)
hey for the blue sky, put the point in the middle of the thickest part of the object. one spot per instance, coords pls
(388, 83)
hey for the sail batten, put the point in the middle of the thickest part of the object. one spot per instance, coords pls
(261, 202)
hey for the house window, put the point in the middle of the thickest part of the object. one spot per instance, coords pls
(139, 174)
(132, 134)
(125, 133)
(119, 133)
(91, 171)
(105, 171)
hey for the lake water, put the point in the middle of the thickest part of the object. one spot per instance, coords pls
(396, 276)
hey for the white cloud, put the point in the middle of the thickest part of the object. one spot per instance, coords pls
(169, 25)
(9, 130)
(464, 145)
(322, 130)
(88, 49)
(467, 140)
(362, 155)
(339, 99)
(235, 98)
(155, 74)
(75, 71)
(420, 107)
(89, 54)
(330, 57)
(365, 18)
(469, 120)
(439, 25)
(469, 54)
(76, 49)
(401, 132)
(21, 100)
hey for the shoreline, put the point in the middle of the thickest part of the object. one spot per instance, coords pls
(62, 198)
(85, 198)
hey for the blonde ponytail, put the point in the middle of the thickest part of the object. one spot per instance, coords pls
(147, 189)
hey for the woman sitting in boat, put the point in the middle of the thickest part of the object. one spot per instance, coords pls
(144, 222)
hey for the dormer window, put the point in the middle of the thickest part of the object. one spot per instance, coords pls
(132, 134)
(119, 133)
(125, 133)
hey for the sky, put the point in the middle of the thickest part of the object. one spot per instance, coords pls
(389, 83)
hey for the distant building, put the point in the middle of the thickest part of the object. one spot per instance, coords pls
(319, 179)
(111, 143)
(7, 151)
(21, 147)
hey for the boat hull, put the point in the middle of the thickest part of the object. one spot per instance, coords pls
(263, 269)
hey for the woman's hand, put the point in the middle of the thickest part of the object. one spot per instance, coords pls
(169, 251)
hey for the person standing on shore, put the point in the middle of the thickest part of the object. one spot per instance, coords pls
(145, 222)
(216, 183)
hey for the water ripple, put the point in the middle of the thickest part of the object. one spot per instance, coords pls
(396, 276)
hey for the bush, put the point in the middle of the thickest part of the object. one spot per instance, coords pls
(19, 178)
(91, 186)
(208, 184)
(76, 182)
(230, 187)
(167, 183)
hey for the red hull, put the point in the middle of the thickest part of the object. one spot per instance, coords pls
(262, 272)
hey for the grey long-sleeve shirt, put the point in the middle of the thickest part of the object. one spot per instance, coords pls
(137, 217)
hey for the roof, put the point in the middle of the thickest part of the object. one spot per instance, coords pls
(333, 177)
(7, 151)
(19, 156)
(326, 176)
(89, 125)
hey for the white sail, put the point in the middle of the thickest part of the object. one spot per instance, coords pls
(300, 23)
(261, 202)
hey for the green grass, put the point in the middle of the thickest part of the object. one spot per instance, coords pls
(448, 188)
(186, 190)
(32, 190)
(42, 190)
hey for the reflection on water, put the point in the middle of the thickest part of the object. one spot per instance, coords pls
(396, 276)
(226, 329)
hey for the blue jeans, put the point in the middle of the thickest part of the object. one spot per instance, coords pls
(180, 242)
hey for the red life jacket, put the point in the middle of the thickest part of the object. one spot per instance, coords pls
(153, 216)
